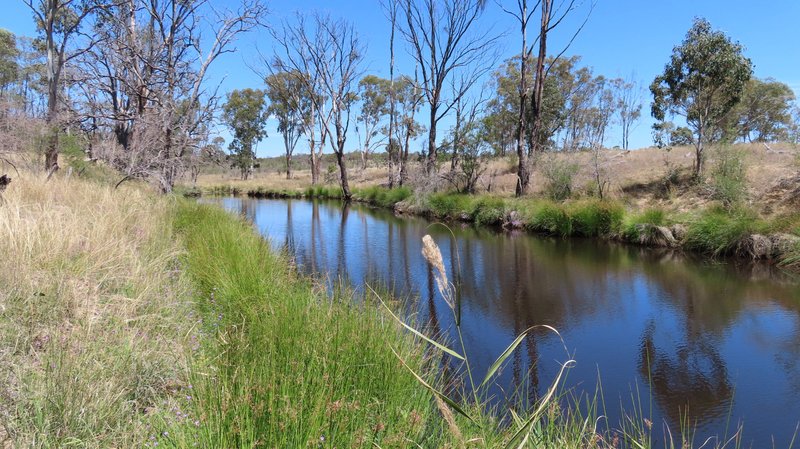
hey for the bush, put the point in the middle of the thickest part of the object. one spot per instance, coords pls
(728, 176)
(597, 218)
(559, 176)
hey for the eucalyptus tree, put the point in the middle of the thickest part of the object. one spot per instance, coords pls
(147, 79)
(551, 14)
(9, 67)
(290, 104)
(628, 102)
(59, 25)
(764, 113)
(376, 96)
(703, 81)
(245, 113)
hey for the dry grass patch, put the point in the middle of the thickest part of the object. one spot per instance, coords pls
(92, 313)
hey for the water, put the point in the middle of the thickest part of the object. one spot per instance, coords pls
(669, 335)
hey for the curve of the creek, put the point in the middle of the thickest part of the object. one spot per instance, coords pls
(675, 338)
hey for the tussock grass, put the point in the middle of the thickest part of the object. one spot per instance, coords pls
(92, 313)
(451, 206)
(489, 211)
(595, 218)
(549, 218)
(717, 231)
(381, 196)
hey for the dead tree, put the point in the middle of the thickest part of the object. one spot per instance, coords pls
(443, 39)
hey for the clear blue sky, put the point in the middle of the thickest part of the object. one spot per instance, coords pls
(622, 37)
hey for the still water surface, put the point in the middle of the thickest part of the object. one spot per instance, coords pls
(717, 342)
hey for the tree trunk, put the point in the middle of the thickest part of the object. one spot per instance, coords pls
(343, 173)
(523, 175)
(431, 163)
(538, 82)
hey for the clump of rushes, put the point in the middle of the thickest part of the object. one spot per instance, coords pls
(550, 218)
(647, 228)
(489, 211)
(324, 192)
(596, 218)
(717, 231)
(381, 196)
(452, 206)
(471, 405)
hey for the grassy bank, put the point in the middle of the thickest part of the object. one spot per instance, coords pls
(286, 366)
(92, 314)
(133, 320)
(714, 231)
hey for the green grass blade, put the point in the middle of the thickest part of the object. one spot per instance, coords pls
(433, 390)
(523, 433)
(416, 332)
(510, 350)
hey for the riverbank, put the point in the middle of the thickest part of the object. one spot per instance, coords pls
(129, 319)
(713, 231)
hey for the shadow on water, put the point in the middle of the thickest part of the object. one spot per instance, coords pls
(714, 343)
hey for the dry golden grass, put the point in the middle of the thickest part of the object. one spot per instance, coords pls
(92, 313)
(635, 176)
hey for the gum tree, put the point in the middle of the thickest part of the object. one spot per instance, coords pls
(246, 114)
(704, 79)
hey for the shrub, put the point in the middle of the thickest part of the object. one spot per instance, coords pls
(559, 175)
(596, 218)
(728, 175)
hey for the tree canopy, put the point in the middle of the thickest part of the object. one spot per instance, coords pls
(703, 81)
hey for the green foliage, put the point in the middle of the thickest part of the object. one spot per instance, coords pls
(381, 196)
(9, 68)
(489, 211)
(632, 225)
(728, 176)
(717, 231)
(270, 336)
(559, 175)
(324, 192)
(764, 113)
(550, 218)
(449, 205)
(681, 136)
(596, 218)
(704, 79)
(246, 114)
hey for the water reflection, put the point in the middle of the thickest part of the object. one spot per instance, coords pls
(717, 342)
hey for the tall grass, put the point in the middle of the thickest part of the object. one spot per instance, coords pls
(93, 313)
(718, 231)
(286, 366)
(381, 196)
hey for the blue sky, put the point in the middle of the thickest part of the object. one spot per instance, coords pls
(622, 38)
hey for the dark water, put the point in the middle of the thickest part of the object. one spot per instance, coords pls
(667, 335)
